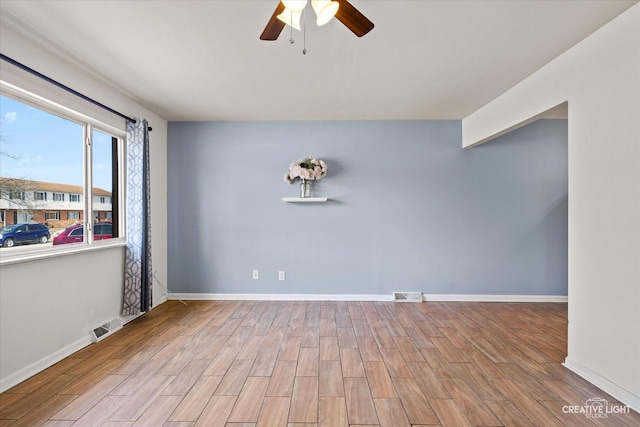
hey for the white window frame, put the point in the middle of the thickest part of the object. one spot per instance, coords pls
(28, 253)
(48, 213)
(17, 195)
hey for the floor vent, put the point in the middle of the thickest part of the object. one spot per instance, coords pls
(103, 331)
(407, 296)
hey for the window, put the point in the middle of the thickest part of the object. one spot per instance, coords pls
(104, 177)
(103, 230)
(52, 216)
(46, 148)
(14, 194)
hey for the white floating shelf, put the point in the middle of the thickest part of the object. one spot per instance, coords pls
(304, 199)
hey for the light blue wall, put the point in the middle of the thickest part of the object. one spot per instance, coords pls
(410, 210)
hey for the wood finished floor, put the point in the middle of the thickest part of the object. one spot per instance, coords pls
(325, 364)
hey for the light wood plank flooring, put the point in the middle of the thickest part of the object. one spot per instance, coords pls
(322, 364)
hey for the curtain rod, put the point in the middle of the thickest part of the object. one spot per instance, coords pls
(67, 88)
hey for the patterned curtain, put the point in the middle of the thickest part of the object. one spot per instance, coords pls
(138, 273)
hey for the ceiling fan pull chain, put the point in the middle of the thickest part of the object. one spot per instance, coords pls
(291, 39)
(304, 33)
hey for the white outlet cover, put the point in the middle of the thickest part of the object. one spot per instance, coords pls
(256, 274)
(281, 275)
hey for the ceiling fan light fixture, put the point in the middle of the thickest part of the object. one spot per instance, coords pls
(291, 18)
(325, 10)
(343, 11)
(295, 5)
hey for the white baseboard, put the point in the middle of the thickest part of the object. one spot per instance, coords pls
(366, 297)
(495, 298)
(42, 364)
(281, 297)
(623, 395)
(126, 319)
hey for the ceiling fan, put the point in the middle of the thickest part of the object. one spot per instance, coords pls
(289, 12)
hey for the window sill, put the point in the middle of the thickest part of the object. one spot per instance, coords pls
(21, 255)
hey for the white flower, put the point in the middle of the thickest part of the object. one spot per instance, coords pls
(309, 168)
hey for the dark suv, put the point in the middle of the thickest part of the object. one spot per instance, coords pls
(23, 233)
(75, 233)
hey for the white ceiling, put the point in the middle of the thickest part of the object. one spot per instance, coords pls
(203, 60)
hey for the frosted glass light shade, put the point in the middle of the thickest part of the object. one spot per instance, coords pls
(325, 10)
(291, 17)
(295, 5)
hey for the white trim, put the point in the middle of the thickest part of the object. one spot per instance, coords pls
(42, 364)
(131, 318)
(495, 298)
(620, 393)
(281, 297)
(366, 297)
(59, 109)
(22, 254)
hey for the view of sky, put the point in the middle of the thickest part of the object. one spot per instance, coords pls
(39, 146)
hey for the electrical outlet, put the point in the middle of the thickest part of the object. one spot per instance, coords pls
(280, 275)
(256, 274)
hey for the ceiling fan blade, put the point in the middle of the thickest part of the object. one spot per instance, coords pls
(274, 26)
(353, 19)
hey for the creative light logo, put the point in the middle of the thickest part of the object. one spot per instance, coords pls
(596, 407)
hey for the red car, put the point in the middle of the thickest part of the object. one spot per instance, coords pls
(75, 233)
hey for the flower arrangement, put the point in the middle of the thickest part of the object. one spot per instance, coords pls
(306, 169)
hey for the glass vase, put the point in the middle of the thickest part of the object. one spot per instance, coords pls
(305, 188)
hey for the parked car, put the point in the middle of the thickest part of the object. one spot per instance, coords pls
(75, 233)
(23, 233)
